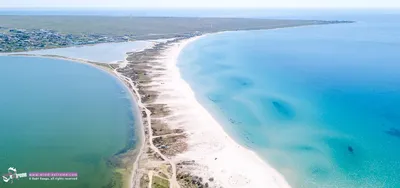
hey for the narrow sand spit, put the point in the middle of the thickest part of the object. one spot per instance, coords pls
(211, 154)
(214, 153)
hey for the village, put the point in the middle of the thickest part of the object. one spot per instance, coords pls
(15, 40)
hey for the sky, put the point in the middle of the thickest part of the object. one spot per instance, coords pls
(201, 3)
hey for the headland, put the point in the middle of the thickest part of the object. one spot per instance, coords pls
(182, 145)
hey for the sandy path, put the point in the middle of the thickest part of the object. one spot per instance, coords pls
(173, 181)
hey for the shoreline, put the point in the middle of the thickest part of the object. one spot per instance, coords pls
(108, 69)
(218, 130)
(183, 135)
(220, 144)
(71, 46)
(121, 61)
(179, 140)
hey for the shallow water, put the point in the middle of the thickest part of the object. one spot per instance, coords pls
(103, 53)
(319, 103)
(61, 116)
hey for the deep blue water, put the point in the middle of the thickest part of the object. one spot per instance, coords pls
(321, 104)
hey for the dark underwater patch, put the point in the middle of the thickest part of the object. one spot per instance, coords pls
(273, 108)
(216, 98)
(240, 82)
(243, 82)
(283, 109)
(393, 132)
(319, 171)
(305, 148)
(350, 161)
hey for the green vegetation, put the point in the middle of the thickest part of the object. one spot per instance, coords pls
(159, 182)
(24, 33)
(141, 27)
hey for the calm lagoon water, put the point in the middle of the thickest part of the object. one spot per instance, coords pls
(104, 53)
(321, 104)
(61, 116)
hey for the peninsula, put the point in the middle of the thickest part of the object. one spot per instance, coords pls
(182, 146)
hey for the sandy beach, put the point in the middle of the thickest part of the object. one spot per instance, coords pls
(210, 155)
(219, 155)
(200, 149)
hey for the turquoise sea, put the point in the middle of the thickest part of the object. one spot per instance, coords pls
(321, 104)
(61, 116)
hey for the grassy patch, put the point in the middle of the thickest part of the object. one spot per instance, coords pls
(159, 182)
(142, 27)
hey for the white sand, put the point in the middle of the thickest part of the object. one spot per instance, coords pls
(218, 155)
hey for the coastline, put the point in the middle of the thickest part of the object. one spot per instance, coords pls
(205, 147)
(121, 60)
(179, 140)
(111, 71)
(254, 171)
(71, 46)
(182, 134)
